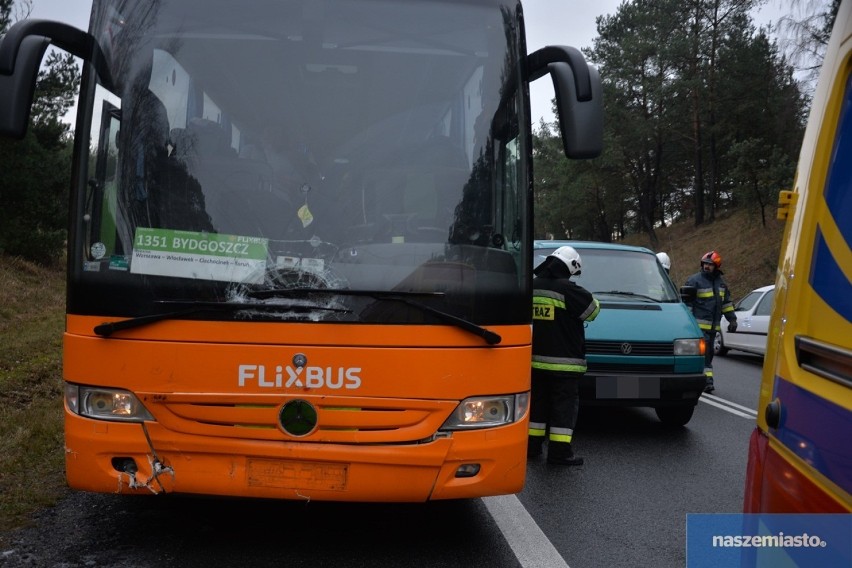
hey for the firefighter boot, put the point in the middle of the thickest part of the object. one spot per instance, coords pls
(560, 453)
(534, 444)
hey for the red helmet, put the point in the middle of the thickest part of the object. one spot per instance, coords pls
(712, 257)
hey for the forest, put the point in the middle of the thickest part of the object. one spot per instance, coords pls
(704, 113)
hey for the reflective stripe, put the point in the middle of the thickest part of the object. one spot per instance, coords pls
(704, 293)
(728, 308)
(536, 433)
(708, 371)
(549, 297)
(560, 368)
(561, 434)
(537, 427)
(565, 364)
(558, 360)
(557, 438)
(592, 311)
(548, 302)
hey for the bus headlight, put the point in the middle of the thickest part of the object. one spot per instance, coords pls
(689, 347)
(105, 404)
(487, 411)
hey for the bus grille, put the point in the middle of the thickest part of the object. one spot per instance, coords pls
(340, 420)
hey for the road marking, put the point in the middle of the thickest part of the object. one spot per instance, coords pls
(526, 539)
(729, 403)
(728, 406)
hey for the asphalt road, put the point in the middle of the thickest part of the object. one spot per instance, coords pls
(626, 507)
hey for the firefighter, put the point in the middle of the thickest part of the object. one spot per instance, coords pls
(560, 308)
(712, 301)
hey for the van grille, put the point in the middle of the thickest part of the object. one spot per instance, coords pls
(630, 369)
(636, 348)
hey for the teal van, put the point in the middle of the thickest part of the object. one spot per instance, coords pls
(644, 348)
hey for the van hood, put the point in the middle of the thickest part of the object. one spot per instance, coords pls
(642, 321)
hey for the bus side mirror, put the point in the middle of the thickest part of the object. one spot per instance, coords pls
(580, 122)
(18, 86)
(21, 52)
(579, 98)
(688, 294)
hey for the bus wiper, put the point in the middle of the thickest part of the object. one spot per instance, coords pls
(489, 336)
(623, 293)
(107, 329)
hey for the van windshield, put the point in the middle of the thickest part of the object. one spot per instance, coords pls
(622, 275)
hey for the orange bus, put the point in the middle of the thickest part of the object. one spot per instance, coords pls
(300, 243)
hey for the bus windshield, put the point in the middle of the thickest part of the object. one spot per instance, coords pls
(242, 147)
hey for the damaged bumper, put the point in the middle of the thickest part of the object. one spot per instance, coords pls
(147, 458)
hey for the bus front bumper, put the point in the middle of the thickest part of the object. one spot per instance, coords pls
(115, 457)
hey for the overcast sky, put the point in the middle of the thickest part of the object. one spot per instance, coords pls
(548, 22)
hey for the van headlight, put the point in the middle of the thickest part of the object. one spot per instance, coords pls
(488, 411)
(105, 404)
(689, 346)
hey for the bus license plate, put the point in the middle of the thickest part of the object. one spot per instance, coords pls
(297, 475)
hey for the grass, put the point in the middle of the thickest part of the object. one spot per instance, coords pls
(749, 250)
(31, 323)
(32, 307)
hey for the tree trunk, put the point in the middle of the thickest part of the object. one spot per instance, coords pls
(697, 139)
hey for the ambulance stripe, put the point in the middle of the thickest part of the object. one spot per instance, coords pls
(838, 198)
(828, 280)
(810, 427)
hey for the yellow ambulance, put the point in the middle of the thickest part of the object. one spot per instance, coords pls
(800, 454)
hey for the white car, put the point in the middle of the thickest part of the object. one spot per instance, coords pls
(752, 324)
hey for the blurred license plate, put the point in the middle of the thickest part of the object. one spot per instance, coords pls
(297, 475)
(627, 387)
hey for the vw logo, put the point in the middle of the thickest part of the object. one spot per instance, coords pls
(298, 417)
(626, 348)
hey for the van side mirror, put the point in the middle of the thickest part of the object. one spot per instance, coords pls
(688, 294)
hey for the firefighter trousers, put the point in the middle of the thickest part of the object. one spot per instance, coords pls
(554, 405)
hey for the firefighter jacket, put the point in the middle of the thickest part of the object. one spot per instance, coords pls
(559, 309)
(712, 300)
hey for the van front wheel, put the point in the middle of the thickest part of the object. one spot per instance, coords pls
(675, 416)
